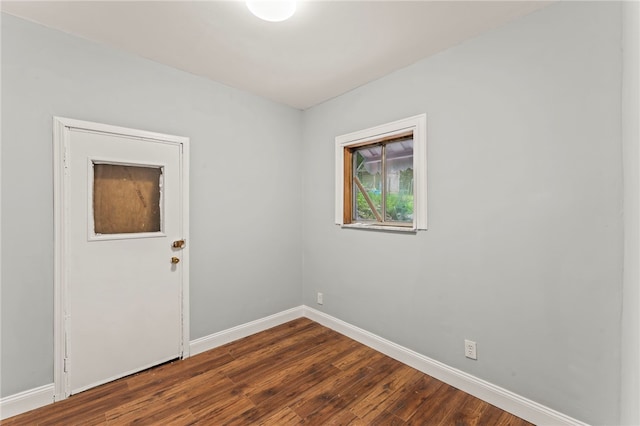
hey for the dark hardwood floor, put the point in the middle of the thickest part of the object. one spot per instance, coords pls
(296, 373)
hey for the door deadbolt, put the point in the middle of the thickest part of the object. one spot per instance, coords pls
(178, 244)
(175, 260)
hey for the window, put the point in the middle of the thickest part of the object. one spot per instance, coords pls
(126, 199)
(381, 177)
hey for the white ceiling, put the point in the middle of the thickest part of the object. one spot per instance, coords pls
(326, 49)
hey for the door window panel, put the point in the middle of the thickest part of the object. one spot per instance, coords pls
(126, 199)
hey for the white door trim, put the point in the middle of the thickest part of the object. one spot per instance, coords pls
(61, 129)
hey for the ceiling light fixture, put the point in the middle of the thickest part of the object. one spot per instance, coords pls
(272, 11)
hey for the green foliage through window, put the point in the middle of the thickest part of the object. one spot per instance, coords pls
(383, 182)
(399, 206)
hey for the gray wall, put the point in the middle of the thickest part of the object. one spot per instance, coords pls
(525, 242)
(630, 395)
(245, 247)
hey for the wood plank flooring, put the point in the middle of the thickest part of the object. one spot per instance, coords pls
(297, 373)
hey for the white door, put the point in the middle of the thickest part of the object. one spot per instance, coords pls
(122, 277)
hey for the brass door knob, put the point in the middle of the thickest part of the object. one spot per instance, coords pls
(175, 260)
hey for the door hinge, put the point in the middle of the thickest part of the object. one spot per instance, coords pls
(65, 161)
(66, 365)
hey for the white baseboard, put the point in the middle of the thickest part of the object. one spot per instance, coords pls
(225, 336)
(26, 401)
(506, 400)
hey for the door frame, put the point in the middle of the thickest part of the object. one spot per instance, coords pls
(61, 137)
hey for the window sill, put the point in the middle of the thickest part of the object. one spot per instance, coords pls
(375, 227)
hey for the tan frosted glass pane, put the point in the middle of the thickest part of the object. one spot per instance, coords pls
(126, 199)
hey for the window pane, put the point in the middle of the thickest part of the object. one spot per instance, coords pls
(399, 181)
(367, 185)
(126, 199)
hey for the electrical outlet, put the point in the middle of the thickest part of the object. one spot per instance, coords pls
(320, 301)
(470, 349)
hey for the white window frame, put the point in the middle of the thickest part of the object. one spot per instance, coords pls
(416, 124)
